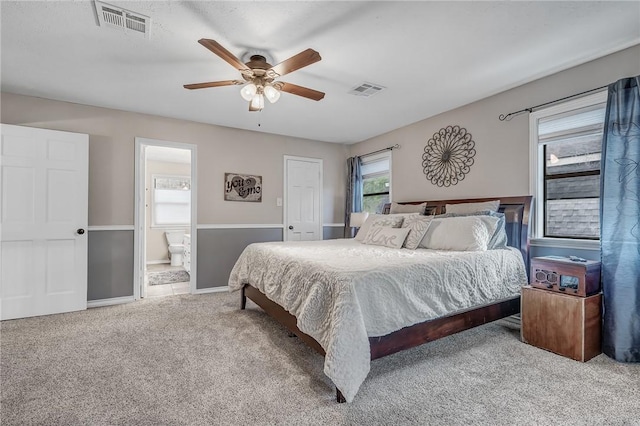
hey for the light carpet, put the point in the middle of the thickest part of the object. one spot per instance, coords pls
(196, 360)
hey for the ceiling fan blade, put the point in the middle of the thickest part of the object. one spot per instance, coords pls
(213, 84)
(216, 48)
(296, 62)
(305, 92)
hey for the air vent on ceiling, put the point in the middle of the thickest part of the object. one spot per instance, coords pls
(123, 19)
(367, 89)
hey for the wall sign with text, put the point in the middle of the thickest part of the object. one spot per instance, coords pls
(239, 187)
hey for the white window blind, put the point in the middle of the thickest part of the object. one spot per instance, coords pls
(171, 203)
(375, 167)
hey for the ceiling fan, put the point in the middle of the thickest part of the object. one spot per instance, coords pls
(259, 76)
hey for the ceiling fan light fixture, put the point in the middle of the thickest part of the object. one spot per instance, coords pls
(248, 91)
(257, 103)
(259, 75)
(272, 94)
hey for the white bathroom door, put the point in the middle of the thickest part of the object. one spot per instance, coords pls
(303, 199)
(44, 217)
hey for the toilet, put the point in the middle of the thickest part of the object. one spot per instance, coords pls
(175, 239)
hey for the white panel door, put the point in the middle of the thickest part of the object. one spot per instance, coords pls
(43, 221)
(303, 220)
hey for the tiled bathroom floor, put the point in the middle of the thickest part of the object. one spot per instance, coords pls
(166, 289)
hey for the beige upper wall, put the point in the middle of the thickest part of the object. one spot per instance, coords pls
(501, 163)
(112, 136)
(502, 160)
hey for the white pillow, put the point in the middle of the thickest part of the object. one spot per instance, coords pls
(387, 220)
(408, 208)
(387, 237)
(465, 233)
(499, 239)
(418, 226)
(473, 207)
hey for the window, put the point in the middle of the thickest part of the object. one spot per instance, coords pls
(171, 200)
(376, 182)
(566, 150)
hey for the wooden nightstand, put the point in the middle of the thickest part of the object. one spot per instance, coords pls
(561, 323)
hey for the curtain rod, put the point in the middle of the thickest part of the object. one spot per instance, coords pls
(389, 148)
(503, 117)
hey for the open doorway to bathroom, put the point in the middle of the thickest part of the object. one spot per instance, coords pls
(165, 218)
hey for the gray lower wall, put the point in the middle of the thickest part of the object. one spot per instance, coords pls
(332, 232)
(110, 264)
(218, 250)
(110, 268)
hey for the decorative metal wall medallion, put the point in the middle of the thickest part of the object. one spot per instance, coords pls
(448, 156)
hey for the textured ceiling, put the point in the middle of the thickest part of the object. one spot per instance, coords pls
(431, 56)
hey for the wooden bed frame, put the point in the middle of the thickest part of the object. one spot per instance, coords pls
(517, 210)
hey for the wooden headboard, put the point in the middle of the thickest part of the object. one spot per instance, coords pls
(517, 212)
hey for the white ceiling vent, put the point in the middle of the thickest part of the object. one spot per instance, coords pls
(123, 19)
(366, 89)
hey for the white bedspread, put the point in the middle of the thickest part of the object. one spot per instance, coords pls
(342, 291)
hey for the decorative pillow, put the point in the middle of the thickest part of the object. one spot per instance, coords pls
(385, 220)
(472, 207)
(407, 208)
(418, 226)
(499, 239)
(385, 236)
(465, 233)
(388, 221)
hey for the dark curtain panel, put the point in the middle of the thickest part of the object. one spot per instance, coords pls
(354, 192)
(620, 221)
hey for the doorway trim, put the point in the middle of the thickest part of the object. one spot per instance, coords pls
(139, 218)
(286, 194)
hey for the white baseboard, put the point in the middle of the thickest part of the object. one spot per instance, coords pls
(108, 302)
(128, 299)
(220, 289)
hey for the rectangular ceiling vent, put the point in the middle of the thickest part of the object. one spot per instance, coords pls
(123, 19)
(367, 89)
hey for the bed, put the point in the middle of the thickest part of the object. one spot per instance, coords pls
(355, 303)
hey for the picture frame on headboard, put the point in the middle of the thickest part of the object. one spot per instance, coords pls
(242, 187)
